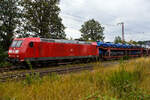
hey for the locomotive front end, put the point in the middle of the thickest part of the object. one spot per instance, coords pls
(15, 51)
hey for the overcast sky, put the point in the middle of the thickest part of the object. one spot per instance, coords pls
(134, 13)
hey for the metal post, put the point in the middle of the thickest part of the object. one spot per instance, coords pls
(123, 32)
(122, 23)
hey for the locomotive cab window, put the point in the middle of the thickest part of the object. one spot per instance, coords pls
(13, 43)
(19, 43)
(16, 43)
(31, 44)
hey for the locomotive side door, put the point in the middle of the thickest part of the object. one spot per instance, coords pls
(32, 51)
(35, 49)
(40, 49)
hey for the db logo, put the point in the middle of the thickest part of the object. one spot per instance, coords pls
(71, 50)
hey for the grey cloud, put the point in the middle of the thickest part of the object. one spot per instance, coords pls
(134, 13)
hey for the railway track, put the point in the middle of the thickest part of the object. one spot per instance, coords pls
(14, 73)
(22, 75)
(15, 68)
(20, 67)
(9, 68)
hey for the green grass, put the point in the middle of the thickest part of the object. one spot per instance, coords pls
(125, 81)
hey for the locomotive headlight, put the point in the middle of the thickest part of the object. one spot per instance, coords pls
(17, 56)
(10, 51)
(16, 51)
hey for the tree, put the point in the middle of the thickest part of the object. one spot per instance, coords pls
(117, 40)
(141, 42)
(42, 18)
(9, 21)
(132, 42)
(3, 55)
(92, 30)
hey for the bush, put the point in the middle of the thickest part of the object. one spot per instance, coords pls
(126, 57)
(33, 78)
(3, 57)
(125, 84)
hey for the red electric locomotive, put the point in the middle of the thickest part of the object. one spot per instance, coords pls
(41, 49)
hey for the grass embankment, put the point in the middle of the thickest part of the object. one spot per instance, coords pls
(125, 81)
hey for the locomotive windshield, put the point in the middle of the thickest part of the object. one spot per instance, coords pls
(16, 43)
